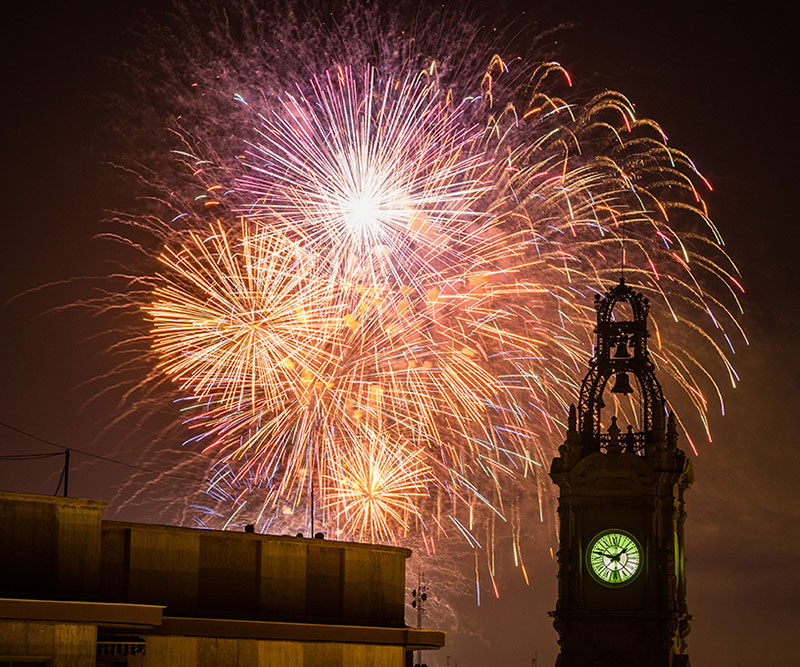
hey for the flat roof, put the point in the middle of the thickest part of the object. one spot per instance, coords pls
(263, 536)
(90, 503)
(53, 500)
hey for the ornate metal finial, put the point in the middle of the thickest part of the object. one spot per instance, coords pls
(621, 351)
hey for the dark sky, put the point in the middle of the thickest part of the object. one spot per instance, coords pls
(722, 84)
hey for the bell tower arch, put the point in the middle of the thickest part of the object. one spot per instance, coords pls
(621, 575)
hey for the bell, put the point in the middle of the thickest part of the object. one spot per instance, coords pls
(622, 350)
(621, 384)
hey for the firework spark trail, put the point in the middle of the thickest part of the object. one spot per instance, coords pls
(381, 286)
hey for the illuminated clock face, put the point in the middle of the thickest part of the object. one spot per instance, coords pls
(613, 557)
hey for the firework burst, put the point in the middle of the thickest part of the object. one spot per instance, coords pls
(375, 488)
(379, 288)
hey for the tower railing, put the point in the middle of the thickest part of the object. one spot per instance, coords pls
(634, 443)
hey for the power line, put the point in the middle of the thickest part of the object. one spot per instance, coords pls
(27, 457)
(27, 434)
(55, 444)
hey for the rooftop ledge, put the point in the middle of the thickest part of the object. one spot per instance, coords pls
(150, 619)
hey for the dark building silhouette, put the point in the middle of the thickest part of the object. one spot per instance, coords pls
(621, 575)
(76, 591)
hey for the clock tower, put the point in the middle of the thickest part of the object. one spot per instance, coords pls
(621, 575)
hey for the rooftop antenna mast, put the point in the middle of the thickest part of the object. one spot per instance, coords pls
(420, 596)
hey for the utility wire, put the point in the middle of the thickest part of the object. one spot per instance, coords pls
(27, 457)
(18, 457)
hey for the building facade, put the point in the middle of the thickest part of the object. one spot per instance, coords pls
(77, 591)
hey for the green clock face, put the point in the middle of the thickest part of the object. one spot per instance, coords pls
(613, 557)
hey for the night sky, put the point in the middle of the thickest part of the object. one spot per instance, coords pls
(722, 85)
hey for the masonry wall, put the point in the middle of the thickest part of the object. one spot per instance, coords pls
(62, 550)
(235, 575)
(56, 544)
(64, 644)
(73, 645)
(210, 652)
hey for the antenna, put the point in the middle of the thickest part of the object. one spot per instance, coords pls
(420, 595)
